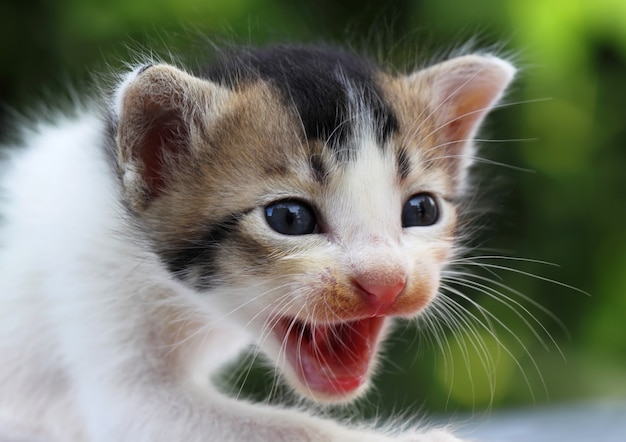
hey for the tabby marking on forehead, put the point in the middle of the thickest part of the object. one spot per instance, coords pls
(315, 81)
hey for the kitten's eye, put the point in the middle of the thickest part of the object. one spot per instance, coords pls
(420, 210)
(291, 217)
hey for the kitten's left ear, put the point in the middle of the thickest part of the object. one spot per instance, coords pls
(162, 115)
(462, 90)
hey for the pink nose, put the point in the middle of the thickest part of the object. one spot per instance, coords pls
(379, 295)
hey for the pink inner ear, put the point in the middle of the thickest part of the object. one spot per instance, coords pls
(165, 135)
(469, 87)
(468, 103)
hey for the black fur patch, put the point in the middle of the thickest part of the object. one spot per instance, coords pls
(313, 80)
(195, 260)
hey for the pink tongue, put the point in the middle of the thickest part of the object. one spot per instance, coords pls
(333, 359)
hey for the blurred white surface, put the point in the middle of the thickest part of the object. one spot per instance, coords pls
(590, 422)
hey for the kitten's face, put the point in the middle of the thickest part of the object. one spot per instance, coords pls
(312, 237)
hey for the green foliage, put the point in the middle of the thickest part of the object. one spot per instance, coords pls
(571, 210)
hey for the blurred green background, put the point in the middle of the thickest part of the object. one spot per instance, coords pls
(564, 202)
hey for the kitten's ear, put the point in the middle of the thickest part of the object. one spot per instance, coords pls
(162, 113)
(463, 91)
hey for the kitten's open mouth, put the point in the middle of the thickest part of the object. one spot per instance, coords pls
(332, 359)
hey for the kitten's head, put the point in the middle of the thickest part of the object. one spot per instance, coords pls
(306, 193)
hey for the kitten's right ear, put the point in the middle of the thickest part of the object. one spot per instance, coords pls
(462, 91)
(162, 113)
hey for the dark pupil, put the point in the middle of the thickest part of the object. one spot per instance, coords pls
(291, 217)
(420, 210)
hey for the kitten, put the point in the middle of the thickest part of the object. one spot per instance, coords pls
(295, 197)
